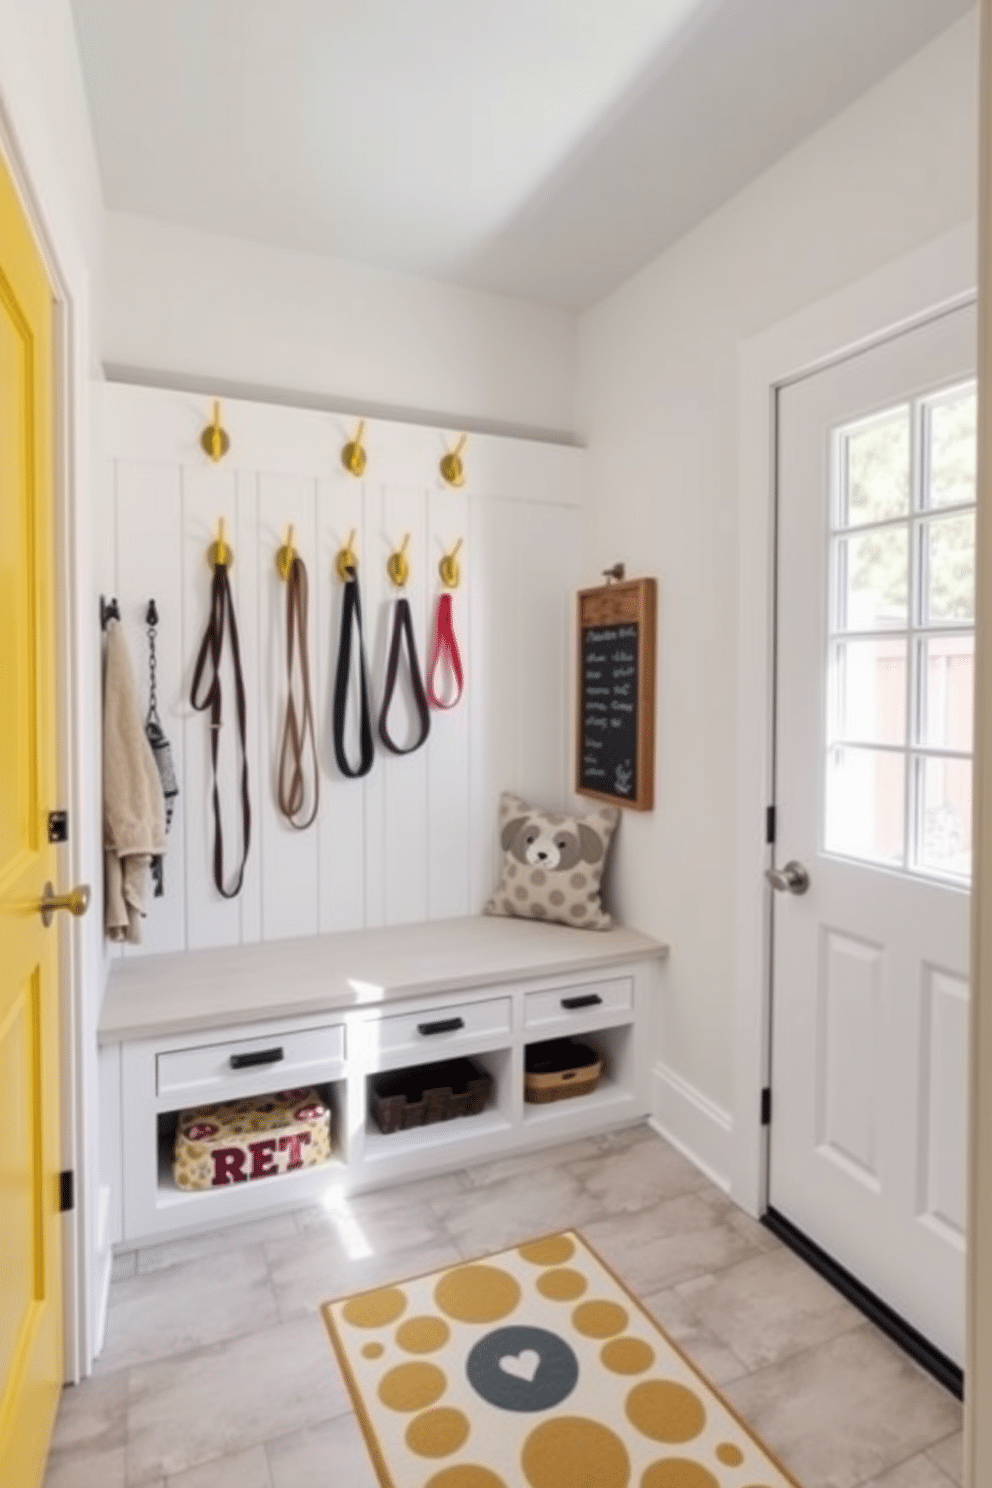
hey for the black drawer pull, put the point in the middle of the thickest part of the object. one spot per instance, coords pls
(592, 999)
(446, 1025)
(261, 1056)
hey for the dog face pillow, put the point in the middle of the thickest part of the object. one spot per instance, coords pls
(552, 864)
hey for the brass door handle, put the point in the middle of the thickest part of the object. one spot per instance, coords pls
(77, 902)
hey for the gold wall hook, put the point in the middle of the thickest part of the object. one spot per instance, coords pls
(397, 566)
(353, 456)
(286, 554)
(347, 558)
(220, 552)
(215, 441)
(451, 466)
(449, 568)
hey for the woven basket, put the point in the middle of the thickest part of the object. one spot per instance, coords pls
(560, 1070)
(428, 1093)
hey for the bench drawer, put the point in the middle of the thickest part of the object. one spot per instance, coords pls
(248, 1066)
(568, 1007)
(430, 1035)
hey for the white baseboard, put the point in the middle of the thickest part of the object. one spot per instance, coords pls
(103, 1263)
(700, 1129)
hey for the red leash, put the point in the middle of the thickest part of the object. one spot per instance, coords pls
(445, 646)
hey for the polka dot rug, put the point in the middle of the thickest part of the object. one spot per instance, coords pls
(534, 1368)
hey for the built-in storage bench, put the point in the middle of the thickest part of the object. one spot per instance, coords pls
(332, 1011)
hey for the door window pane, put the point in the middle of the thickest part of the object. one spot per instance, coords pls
(866, 804)
(947, 685)
(876, 471)
(869, 691)
(949, 569)
(944, 844)
(873, 580)
(951, 425)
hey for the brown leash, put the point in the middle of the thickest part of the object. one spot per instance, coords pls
(211, 651)
(298, 738)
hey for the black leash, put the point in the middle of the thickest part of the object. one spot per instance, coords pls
(403, 633)
(351, 620)
(211, 651)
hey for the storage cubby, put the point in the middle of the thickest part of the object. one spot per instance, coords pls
(169, 1194)
(494, 1117)
(617, 1087)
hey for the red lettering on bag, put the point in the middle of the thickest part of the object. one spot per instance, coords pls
(263, 1157)
(229, 1166)
(293, 1144)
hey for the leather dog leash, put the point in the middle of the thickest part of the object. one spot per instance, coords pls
(403, 632)
(211, 651)
(351, 619)
(445, 645)
(298, 738)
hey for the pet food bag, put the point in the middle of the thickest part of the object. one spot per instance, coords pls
(257, 1137)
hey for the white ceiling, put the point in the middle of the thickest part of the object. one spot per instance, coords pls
(543, 148)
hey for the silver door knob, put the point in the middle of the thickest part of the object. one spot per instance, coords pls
(792, 879)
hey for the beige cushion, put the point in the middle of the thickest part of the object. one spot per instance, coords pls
(552, 864)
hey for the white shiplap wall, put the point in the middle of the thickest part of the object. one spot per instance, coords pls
(414, 840)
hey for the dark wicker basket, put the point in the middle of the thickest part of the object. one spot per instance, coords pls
(427, 1093)
(559, 1069)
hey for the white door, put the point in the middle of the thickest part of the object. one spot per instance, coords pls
(875, 629)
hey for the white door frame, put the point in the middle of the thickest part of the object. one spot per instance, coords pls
(70, 455)
(935, 278)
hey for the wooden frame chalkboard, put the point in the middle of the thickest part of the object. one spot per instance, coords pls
(615, 722)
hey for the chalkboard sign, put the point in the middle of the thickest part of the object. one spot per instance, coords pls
(615, 733)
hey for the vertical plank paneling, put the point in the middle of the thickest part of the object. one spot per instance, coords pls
(288, 858)
(404, 776)
(494, 613)
(373, 786)
(148, 540)
(416, 838)
(341, 824)
(449, 795)
(539, 709)
(246, 600)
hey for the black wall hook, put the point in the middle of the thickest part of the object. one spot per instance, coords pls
(108, 611)
(151, 614)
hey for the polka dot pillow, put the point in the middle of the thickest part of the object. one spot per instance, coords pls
(552, 864)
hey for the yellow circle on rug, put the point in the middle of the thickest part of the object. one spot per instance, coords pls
(477, 1294)
(729, 1455)
(563, 1285)
(374, 1309)
(437, 1433)
(666, 1411)
(678, 1472)
(553, 1251)
(411, 1387)
(627, 1355)
(599, 1319)
(422, 1335)
(372, 1350)
(467, 1476)
(574, 1452)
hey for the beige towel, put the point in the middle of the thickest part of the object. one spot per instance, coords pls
(133, 804)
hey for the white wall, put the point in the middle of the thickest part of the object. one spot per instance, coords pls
(192, 303)
(658, 404)
(45, 129)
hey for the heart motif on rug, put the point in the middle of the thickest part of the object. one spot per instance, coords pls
(523, 1365)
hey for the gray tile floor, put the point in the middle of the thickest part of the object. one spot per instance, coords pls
(217, 1372)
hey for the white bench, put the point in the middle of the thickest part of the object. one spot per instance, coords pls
(333, 1010)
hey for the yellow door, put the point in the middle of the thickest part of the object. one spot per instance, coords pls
(30, 1258)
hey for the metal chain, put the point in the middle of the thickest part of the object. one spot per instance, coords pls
(151, 617)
